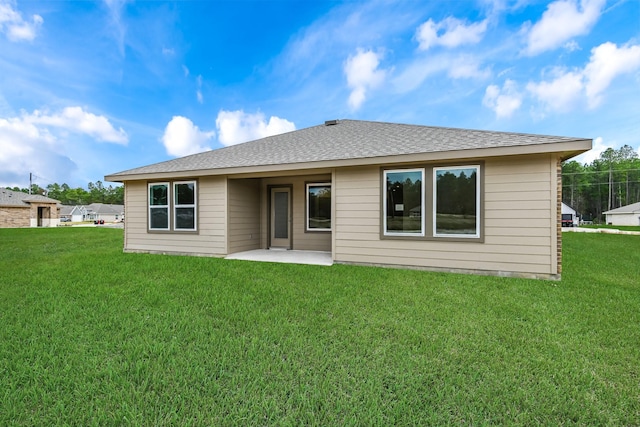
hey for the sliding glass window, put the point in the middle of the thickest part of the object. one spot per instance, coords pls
(403, 202)
(456, 201)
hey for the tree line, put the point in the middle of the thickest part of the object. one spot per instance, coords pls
(95, 193)
(611, 181)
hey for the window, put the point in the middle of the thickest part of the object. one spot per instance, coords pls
(159, 206)
(184, 205)
(456, 201)
(404, 202)
(182, 202)
(319, 207)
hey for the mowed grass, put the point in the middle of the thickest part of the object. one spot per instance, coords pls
(93, 336)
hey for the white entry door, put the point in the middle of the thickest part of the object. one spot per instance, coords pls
(280, 218)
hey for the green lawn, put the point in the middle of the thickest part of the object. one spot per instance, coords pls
(93, 336)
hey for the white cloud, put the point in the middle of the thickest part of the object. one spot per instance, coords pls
(608, 61)
(560, 94)
(450, 32)
(39, 143)
(235, 127)
(15, 26)
(199, 90)
(75, 119)
(362, 74)
(570, 88)
(465, 67)
(562, 20)
(503, 101)
(456, 67)
(115, 8)
(598, 148)
(182, 138)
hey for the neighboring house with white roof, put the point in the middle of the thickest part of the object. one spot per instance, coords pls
(366, 192)
(18, 209)
(624, 215)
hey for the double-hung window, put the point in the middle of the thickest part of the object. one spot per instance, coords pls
(403, 202)
(319, 207)
(173, 206)
(159, 206)
(184, 206)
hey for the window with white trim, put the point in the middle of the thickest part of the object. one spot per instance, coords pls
(159, 206)
(403, 202)
(319, 207)
(173, 206)
(456, 201)
(184, 207)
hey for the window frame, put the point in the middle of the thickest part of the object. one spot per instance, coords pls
(167, 206)
(307, 210)
(177, 206)
(171, 207)
(422, 232)
(478, 199)
(429, 208)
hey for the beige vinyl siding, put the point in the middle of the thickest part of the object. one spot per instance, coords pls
(243, 214)
(210, 237)
(302, 240)
(519, 222)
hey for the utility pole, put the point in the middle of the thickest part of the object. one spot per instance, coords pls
(30, 181)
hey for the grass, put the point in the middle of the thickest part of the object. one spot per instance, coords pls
(93, 336)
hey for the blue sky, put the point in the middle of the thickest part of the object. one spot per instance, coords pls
(92, 88)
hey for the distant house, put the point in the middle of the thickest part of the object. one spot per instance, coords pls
(367, 193)
(624, 215)
(75, 213)
(569, 216)
(93, 212)
(105, 212)
(19, 209)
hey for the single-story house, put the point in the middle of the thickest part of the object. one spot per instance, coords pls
(75, 213)
(569, 216)
(92, 212)
(624, 215)
(104, 211)
(18, 209)
(367, 193)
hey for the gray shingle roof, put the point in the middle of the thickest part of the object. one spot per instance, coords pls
(20, 199)
(348, 139)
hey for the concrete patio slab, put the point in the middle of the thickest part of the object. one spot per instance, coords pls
(284, 256)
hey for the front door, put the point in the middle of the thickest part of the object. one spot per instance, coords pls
(280, 222)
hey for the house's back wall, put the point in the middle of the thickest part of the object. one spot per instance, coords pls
(518, 226)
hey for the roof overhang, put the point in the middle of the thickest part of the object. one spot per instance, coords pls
(564, 150)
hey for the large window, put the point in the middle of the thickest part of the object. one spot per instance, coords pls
(159, 206)
(179, 198)
(319, 207)
(404, 202)
(456, 201)
(184, 205)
